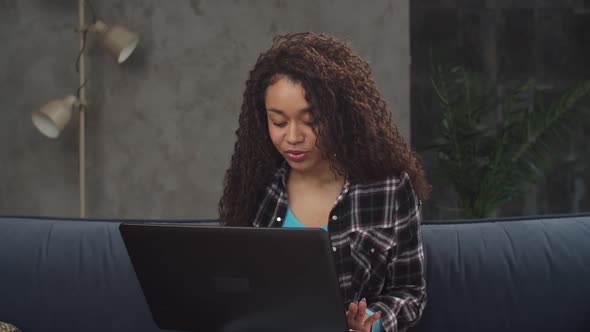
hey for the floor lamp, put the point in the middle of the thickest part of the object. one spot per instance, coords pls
(53, 116)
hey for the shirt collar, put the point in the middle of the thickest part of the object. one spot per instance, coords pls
(283, 171)
(281, 174)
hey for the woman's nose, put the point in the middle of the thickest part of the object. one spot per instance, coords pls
(294, 134)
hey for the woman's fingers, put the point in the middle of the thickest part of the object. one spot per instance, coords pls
(352, 310)
(357, 318)
(362, 310)
(372, 319)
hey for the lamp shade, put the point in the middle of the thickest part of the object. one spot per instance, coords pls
(118, 40)
(52, 117)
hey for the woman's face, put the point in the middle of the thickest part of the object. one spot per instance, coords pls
(290, 126)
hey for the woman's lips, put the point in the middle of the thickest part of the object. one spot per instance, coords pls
(296, 156)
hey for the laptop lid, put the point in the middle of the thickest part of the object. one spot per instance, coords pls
(226, 279)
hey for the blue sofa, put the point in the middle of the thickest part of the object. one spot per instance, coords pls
(491, 275)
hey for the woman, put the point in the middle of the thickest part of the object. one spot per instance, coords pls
(316, 147)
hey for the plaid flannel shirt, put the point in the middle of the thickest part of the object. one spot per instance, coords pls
(375, 232)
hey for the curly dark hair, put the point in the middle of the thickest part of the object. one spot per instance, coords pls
(356, 128)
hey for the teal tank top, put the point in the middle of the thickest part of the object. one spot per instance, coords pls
(292, 222)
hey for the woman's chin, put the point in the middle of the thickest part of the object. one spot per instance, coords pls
(300, 166)
(308, 166)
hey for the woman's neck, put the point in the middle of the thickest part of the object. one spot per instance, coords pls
(318, 177)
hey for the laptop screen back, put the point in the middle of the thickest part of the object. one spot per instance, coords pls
(211, 278)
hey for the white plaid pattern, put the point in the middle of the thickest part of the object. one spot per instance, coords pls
(377, 241)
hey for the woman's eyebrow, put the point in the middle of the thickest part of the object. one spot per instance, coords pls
(274, 110)
(301, 111)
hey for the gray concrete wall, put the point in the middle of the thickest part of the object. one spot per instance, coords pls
(160, 128)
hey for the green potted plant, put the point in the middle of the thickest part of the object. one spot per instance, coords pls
(490, 149)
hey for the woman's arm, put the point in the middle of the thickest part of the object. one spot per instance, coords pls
(404, 294)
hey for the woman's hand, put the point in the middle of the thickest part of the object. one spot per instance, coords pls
(357, 317)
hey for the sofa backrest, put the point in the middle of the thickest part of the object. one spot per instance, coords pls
(68, 275)
(508, 275)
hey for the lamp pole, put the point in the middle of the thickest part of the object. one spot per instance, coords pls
(54, 115)
(82, 108)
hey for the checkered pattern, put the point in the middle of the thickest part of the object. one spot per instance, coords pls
(375, 233)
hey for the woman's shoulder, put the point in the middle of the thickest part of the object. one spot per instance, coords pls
(394, 186)
(389, 201)
(391, 181)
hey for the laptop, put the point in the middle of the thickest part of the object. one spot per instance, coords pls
(232, 279)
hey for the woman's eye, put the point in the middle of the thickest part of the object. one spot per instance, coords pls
(279, 124)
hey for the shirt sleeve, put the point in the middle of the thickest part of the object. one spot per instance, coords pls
(404, 295)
